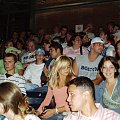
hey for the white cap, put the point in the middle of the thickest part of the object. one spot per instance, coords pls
(97, 39)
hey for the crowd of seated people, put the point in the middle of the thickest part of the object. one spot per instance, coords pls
(41, 64)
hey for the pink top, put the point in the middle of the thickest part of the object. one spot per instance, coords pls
(60, 95)
(70, 52)
(101, 114)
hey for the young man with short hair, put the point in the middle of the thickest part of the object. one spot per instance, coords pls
(87, 65)
(55, 51)
(10, 61)
(18, 68)
(81, 100)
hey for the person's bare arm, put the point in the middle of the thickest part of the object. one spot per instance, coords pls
(98, 79)
(75, 67)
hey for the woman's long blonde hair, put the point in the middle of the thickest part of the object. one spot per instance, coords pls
(61, 62)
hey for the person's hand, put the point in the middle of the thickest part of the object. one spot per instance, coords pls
(40, 110)
(37, 113)
(47, 113)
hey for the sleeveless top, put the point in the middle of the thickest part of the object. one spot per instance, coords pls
(86, 67)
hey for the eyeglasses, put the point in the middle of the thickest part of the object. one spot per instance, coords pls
(99, 44)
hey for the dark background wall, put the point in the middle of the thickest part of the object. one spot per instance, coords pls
(97, 14)
(13, 22)
(23, 15)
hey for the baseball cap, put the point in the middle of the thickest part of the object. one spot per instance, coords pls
(97, 39)
(12, 49)
(117, 33)
(40, 51)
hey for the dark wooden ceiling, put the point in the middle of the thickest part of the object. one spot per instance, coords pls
(8, 6)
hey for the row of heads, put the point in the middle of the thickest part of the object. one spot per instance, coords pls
(41, 51)
(13, 49)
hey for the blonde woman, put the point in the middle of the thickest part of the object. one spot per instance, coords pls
(13, 105)
(59, 75)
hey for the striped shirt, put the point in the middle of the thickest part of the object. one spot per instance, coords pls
(101, 114)
(16, 79)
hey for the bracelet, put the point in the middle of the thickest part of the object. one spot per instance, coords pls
(56, 110)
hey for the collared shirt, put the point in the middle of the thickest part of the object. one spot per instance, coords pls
(101, 114)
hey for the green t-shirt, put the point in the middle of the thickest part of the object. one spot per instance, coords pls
(17, 67)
